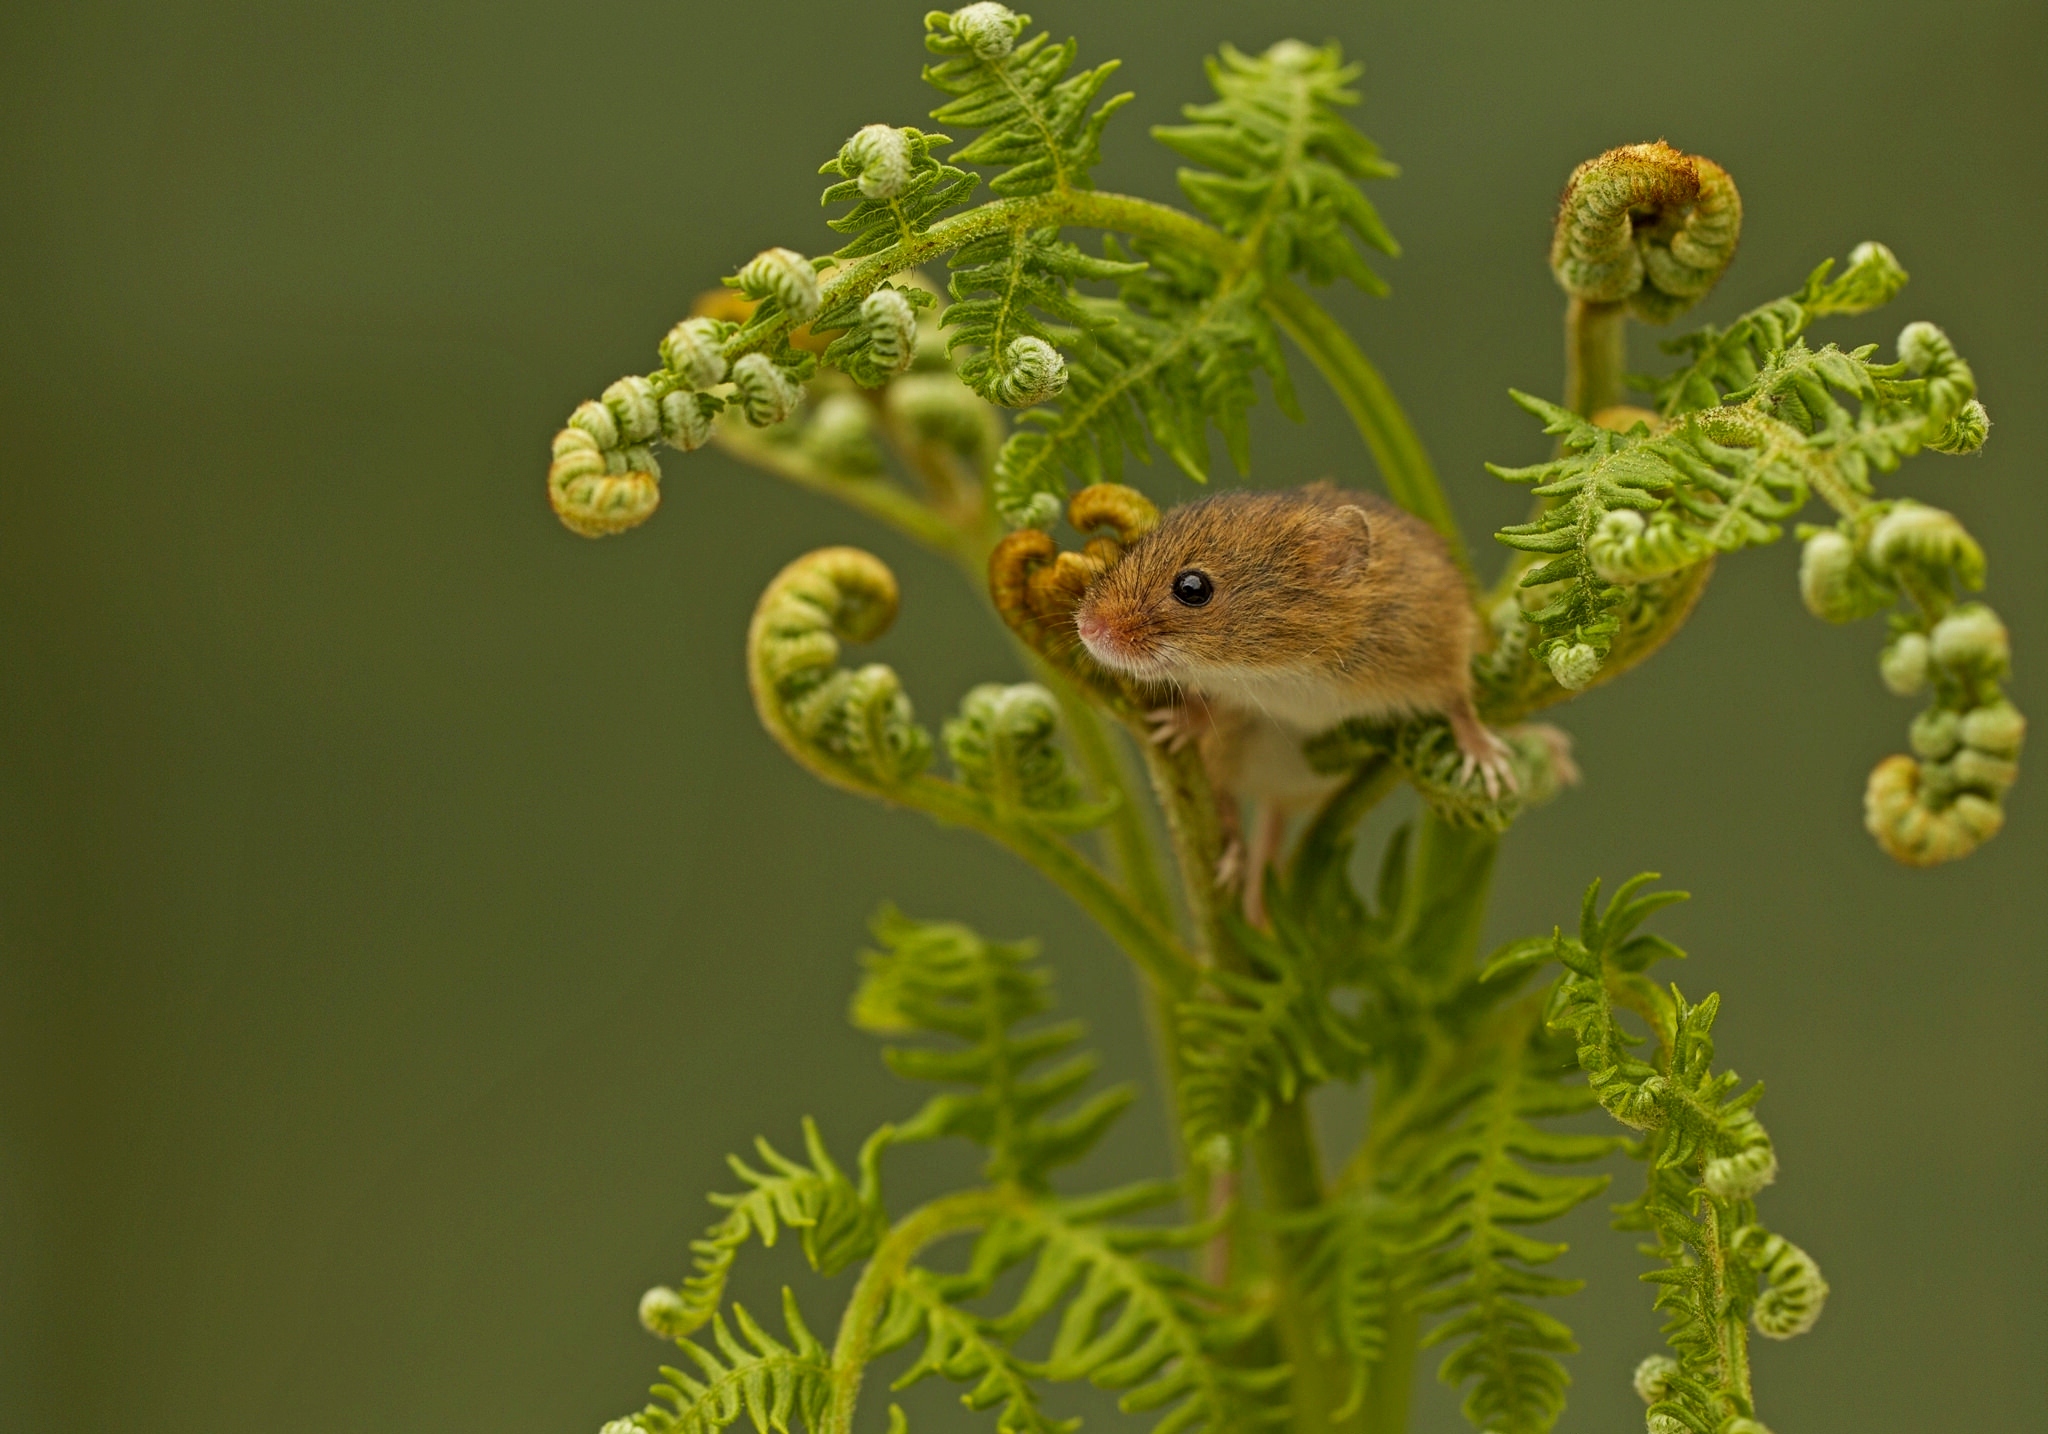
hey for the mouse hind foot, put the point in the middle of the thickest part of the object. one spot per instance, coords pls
(1486, 755)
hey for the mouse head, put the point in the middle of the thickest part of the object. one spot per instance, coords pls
(1240, 580)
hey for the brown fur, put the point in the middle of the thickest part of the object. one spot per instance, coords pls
(1328, 604)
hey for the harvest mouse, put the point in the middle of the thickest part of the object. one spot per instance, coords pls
(1280, 615)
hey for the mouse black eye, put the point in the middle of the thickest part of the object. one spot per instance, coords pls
(1193, 588)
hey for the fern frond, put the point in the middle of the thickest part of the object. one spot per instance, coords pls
(1708, 1156)
(938, 978)
(898, 188)
(963, 1347)
(1257, 1040)
(1002, 746)
(1465, 1257)
(836, 1222)
(1128, 1321)
(1034, 116)
(777, 1387)
(1756, 425)
(1281, 164)
(1727, 360)
(1175, 352)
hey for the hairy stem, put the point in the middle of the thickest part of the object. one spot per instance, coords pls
(864, 1308)
(1145, 939)
(1595, 356)
(1391, 1385)
(876, 497)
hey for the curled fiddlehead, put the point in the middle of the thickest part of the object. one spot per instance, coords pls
(853, 727)
(1035, 585)
(1647, 226)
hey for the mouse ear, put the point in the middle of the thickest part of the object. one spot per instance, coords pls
(1347, 533)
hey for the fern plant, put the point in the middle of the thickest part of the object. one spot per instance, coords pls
(976, 370)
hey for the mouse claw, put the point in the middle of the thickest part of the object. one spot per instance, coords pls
(1492, 764)
(1175, 728)
(1230, 865)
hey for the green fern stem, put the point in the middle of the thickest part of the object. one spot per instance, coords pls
(1143, 937)
(923, 1227)
(1284, 1149)
(1595, 355)
(878, 499)
(1403, 462)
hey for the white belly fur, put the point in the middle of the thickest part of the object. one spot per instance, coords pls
(1285, 709)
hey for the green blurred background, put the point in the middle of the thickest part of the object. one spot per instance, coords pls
(402, 913)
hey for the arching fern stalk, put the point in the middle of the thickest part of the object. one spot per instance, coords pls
(1263, 1285)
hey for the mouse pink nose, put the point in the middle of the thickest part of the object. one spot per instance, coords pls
(1089, 626)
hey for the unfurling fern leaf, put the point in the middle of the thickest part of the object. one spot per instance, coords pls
(752, 1375)
(1033, 115)
(1281, 164)
(899, 188)
(1707, 1154)
(1175, 352)
(836, 1222)
(942, 979)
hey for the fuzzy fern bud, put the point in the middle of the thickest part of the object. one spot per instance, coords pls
(664, 1313)
(1741, 1175)
(767, 395)
(1645, 225)
(1653, 1377)
(1792, 1304)
(634, 409)
(687, 418)
(1872, 279)
(1662, 1423)
(1997, 730)
(1965, 433)
(988, 31)
(1833, 581)
(692, 351)
(598, 489)
(877, 158)
(784, 276)
(1032, 371)
(1903, 664)
(1627, 548)
(1925, 350)
(1927, 538)
(891, 325)
(1935, 733)
(940, 409)
(1919, 834)
(1971, 641)
(1573, 666)
(1002, 744)
(840, 435)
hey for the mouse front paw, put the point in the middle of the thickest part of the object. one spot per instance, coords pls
(1179, 727)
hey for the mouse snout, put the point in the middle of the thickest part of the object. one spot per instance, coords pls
(1111, 632)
